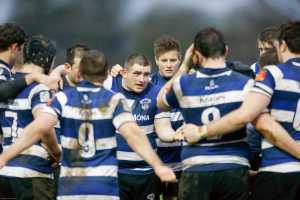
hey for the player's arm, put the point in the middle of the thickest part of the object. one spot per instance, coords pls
(276, 134)
(138, 141)
(30, 135)
(252, 106)
(49, 140)
(163, 129)
(11, 88)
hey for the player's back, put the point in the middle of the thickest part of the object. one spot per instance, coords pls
(88, 142)
(206, 96)
(33, 162)
(282, 82)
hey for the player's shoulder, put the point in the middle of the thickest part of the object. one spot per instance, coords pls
(4, 68)
(154, 88)
(35, 88)
(276, 71)
(240, 76)
(5, 73)
(186, 77)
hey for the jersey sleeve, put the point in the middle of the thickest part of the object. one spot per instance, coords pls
(171, 98)
(265, 81)
(39, 96)
(5, 74)
(107, 84)
(159, 114)
(122, 113)
(55, 105)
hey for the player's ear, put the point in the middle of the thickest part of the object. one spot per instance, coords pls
(226, 51)
(197, 57)
(67, 67)
(283, 46)
(14, 46)
(124, 72)
(78, 75)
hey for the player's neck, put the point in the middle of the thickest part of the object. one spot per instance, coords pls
(213, 63)
(69, 80)
(288, 55)
(31, 68)
(5, 56)
(124, 85)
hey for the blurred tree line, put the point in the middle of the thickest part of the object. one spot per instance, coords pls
(100, 25)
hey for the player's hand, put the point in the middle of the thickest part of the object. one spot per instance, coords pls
(52, 82)
(54, 157)
(116, 70)
(193, 133)
(59, 71)
(187, 61)
(178, 135)
(165, 173)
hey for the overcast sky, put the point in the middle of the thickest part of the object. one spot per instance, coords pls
(134, 9)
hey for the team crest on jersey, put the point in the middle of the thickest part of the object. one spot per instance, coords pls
(44, 96)
(261, 76)
(145, 103)
(211, 85)
(86, 100)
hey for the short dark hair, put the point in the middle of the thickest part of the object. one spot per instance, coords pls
(210, 43)
(136, 58)
(164, 44)
(93, 65)
(76, 50)
(39, 51)
(269, 34)
(269, 57)
(290, 33)
(11, 33)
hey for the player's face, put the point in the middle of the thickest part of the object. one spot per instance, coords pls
(137, 77)
(263, 47)
(17, 53)
(168, 63)
(73, 73)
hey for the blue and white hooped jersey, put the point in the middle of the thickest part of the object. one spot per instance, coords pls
(144, 109)
(34, 161)
(65, 84)
(203, 97)
(281, 83)
(89, 116)
(5, 75)
(169, 152)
